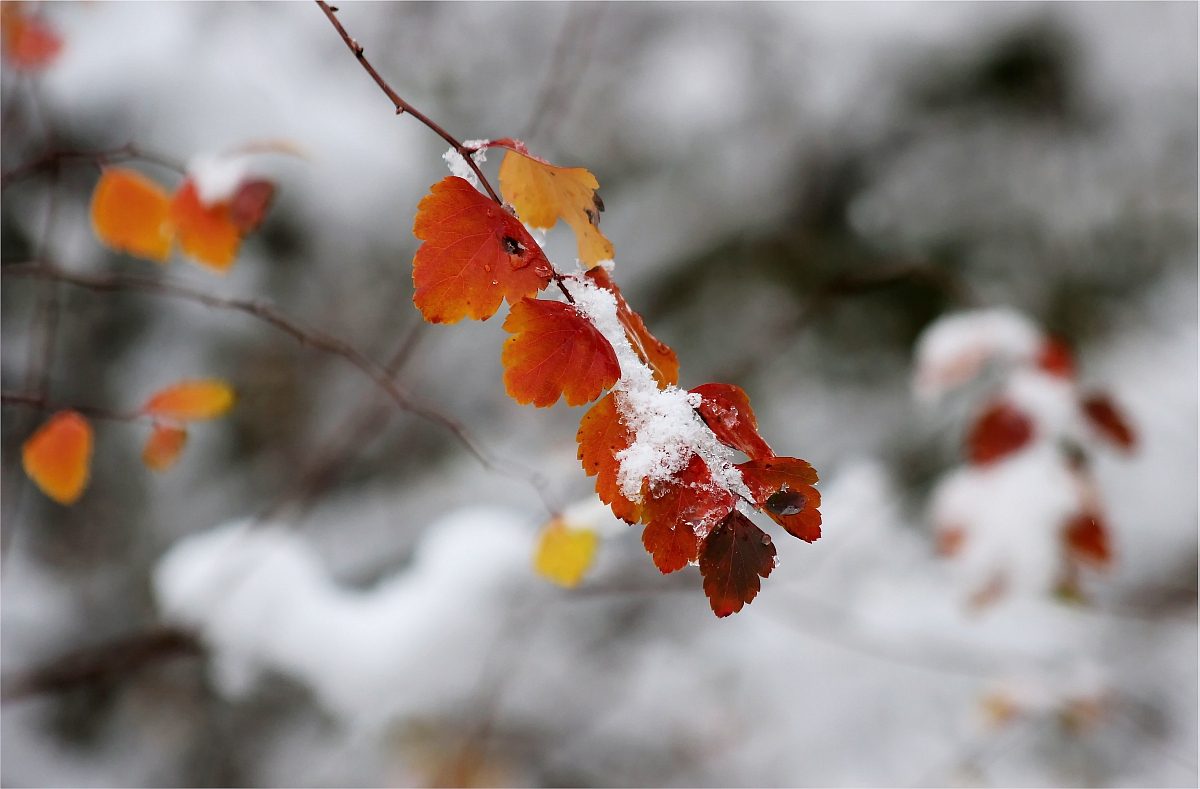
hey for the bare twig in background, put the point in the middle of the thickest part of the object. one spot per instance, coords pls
(54, 160)
(578, 38)
(41, 402)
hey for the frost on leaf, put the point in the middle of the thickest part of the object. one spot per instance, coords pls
(206, 233)
(602, 434)
(58, 456)
(475, 255)
(999, 431)
(163, 447)
(734, 557)
(555, 352)
(191, 400)
(655, 354)
(783, 488)
(726, 410)
(542, 194)
(564, 554)
(1087, 540)
(679, 511)
(130, 214)
(28, 43)
(1102, 412)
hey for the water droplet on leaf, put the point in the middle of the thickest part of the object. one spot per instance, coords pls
(787, 502)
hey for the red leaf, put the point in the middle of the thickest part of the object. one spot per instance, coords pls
(657, 355)
(949, 541)
(1087, 539)
(726, 410)
(675, 511)
(249, 204)
(555, 351)
(734, 556)
(475, 255)
(999, 431)
(783, 488)
(163, 447)
(28, 43)
(1055, 358)
(602, 434)
(1112, 424)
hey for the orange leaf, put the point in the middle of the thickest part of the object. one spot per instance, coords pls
(163, 447)
(29, 43)
(58, 456)
(676, 511)
(542, 194)
(1102, 412)
(207, 234)
(726, 410)
(999, 431)
(734, 557)
(249, 205)
(475, 255)
(602, 434)
(555, 351)
(783, 488)
(657, 355)
(1087, 539)
(130, 214)
(191, 400)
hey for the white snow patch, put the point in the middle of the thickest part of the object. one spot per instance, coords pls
(458, 166)
(953, 349)
(218, 176)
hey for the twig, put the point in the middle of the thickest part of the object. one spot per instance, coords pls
(561, 83)
(41, 402)
(403, 106)
(55, 159)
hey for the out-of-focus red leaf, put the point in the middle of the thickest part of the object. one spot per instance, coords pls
(1087, 539)
(783, 488)
(1055, 357)
(206, 234)
(249, 205)
(475, 255)
(726, 410)
(657, 355)
(734, 557)
(602, 434)
(1000, 430)
(29, 44)
(677, 510)
(555, 351)
(1104, 415)
(58, 456)
(949, 541)
(163, 447)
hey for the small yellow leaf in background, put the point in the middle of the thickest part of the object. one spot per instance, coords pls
(190, 400)
(58, 456)
(542, 194)
(163, 447)
(130, 214)
(564, 554)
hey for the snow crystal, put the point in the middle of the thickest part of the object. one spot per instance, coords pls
(458, 166)
(217, 176)
(954, 348)
(479, 156)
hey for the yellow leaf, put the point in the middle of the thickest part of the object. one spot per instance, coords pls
(130, 214)
(564, 554)
(542, 194)
(190, 400)
(58, 456)
(163, 447)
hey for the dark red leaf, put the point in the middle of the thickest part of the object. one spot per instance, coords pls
(1087, 539)
(1106, 418)
(735, 555)
(1055, 358)
(676, 511)
(783, 488)
(726, 410)
(999, 431)
(249, 205)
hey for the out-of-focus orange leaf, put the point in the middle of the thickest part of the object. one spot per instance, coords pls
(555, 351)
(657, 355)
(163, 447)
(542, 194)
(28, 43)
(1087, 539)
(1056, 358)
(734, 557)
(564, 554)
(783, 488)
(726, 410)
(950, 540)
(602, 434)
(999, 431)
(249, 205)
(207, 234)
(1104, 415)
(130, 213)
(677, 511)
(58, 456)
(191, 400)
(475, 255)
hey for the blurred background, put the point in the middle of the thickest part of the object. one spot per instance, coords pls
(794, 192)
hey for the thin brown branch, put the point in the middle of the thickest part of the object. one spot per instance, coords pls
(578, 37)
(54, 160)
(41, 402)
(402, 105)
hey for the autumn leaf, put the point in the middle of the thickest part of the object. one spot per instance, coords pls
(734, 557)
(999, 431)
(249, 204)
(602, 434)
(555, 351)
(1087, 539)
(191, 400)
(783, 488)
(58, 456)
(1102, 412)
(206, 234)
(28, 43)
(726, 410)
(1055, 358)
(676, 512)
(542, 194)
(656, 355)
(163, 447)
(564, 554)
(130, 213)
(475, 255)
